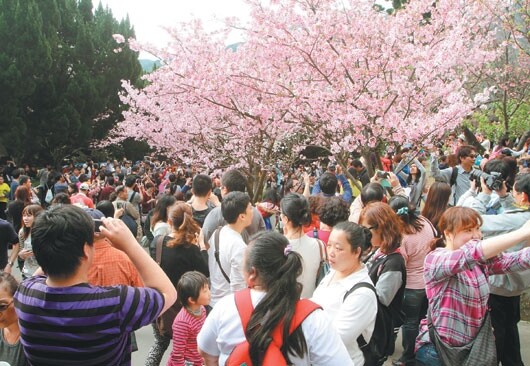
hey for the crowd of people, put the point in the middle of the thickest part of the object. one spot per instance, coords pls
(324, 269)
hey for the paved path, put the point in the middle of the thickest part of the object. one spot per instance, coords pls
(144, 337)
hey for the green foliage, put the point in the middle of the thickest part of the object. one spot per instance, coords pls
(491, 121)
(60, 74)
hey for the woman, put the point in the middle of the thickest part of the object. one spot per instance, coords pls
(10, 347)
(386, 265)
(271, 272)
(24, 236)
(418, 233)
(159, 218)
(436, 202)
(415, 180)
(356, 315)
(180, 254)
(268, 208)
(15, 208)
(294, 215)
(456, 282)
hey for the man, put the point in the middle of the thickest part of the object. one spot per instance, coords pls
(8, 237)
(81, 198)
(359, 171)
(506, 289)
(226, 268)
(4, 195)
(203, 199)
(64, 321)
(130, 216)
(328, 183)
(24, 180)
(14, 183)
(110, 266)
(231, 181)
(457, 177)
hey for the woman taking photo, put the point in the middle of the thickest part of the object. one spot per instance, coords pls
(417, 233)
(355, 315)
(456, 283)
(180, 254)
(158, 221)
(10, 347)
(415, 180)
(294, 215)
(271, 272)
(386, 265)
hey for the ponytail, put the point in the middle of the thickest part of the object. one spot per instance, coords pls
(278, 268)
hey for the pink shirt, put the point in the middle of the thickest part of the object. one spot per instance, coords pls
(186, 327)
(414, 248)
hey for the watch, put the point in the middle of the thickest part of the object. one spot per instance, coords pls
(11, 263)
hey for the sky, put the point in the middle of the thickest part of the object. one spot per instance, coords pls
(148, 16)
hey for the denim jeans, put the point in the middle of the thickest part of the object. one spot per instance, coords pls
(427, 356)
(415, 308)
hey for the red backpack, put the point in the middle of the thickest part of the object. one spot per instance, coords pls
(240, 355)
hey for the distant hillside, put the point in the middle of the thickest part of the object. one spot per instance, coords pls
(148, 65)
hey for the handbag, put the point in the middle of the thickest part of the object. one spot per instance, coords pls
(480, 351)
(323, 267)
(164, 323)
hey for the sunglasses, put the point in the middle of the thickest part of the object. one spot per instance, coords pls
(3, 307)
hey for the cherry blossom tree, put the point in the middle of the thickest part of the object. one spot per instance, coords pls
(322, 72)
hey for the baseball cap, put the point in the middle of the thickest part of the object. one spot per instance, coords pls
(84, 187)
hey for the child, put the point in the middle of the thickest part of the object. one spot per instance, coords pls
(193, 293)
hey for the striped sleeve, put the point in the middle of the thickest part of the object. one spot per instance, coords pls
(140, 307)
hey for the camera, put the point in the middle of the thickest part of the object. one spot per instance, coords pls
(382, 174)
(97, 225)
(493, 180)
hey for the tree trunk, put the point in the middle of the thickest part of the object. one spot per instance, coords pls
(472, 140)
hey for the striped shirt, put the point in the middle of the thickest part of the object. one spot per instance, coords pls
(82, 324)
(458, 291)
(186, 327)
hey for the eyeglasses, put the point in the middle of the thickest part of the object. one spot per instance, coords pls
(3, 307)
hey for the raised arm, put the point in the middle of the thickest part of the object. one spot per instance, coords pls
(152, 275)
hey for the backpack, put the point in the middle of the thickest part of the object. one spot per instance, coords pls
(273, 356)
(381, 344)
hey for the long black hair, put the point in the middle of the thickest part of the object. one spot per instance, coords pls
(296, 208)
(277, 269)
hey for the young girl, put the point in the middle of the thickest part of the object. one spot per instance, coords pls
(193, 293)
(24, 236)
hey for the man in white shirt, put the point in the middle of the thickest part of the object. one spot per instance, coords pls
(226, 266)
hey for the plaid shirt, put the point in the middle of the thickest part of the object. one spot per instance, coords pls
(458, 291)
(112, 267)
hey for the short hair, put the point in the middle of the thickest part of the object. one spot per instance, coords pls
(464, 151)
(130, 180)
(380, 217)
(296, 208)
(333, 210)
(372, 192)
(234, 181)
(233, 205)
(522, 183)
(16, 173)
(23, 179)
(58, 238)
(328, 183)
(8, 283)
(357, 163)
(190, 285)
(455, 220)
(120, 189)
(106, 207)
(202, 185)
(61, 199)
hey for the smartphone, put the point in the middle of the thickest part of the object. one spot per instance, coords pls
(97, 225)
(382, 175)
(119, 205)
